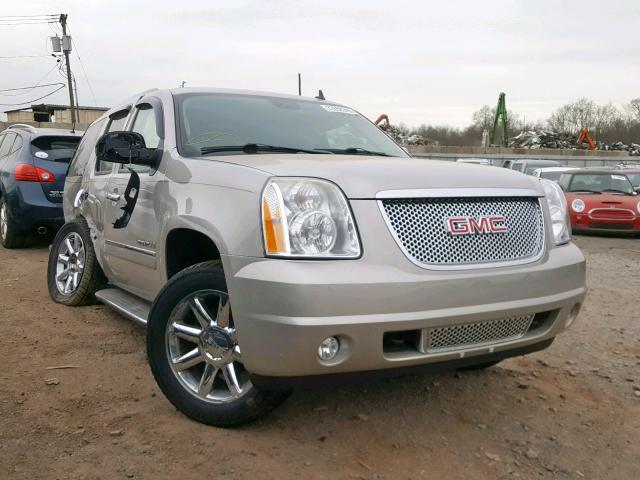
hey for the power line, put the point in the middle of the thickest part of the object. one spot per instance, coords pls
(23, 56)
(86, 77)
(35, 99)
(9, 24)
(55, 15)
(30, 87)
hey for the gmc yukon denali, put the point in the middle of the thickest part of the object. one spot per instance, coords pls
(269, 242)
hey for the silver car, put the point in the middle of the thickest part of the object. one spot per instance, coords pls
(271, 241)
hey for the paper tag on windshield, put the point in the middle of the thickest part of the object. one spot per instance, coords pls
(41, 154)
(619, 177)
(338, 109)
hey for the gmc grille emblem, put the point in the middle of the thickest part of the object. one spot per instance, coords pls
(476, 225)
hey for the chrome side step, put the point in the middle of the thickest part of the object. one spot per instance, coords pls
(126, 304)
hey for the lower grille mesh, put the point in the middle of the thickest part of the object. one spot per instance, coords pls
(461, 336)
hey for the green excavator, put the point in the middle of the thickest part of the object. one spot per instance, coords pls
(500, 116)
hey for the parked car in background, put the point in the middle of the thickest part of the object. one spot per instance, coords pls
(474, 161)
(601, 200)
(507, 163)
(550, 173)
(33, 166)
(528, 166)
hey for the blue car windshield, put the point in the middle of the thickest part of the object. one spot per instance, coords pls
(226, 123)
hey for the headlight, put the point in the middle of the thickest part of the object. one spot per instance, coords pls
(560, 222)
(577, 205)
(307, 217)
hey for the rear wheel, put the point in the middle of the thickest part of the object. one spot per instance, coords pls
(194, 353)
(74, 274)
(10, 235)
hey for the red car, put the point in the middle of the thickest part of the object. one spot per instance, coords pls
(601, 200)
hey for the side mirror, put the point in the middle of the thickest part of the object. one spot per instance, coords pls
(125, 148)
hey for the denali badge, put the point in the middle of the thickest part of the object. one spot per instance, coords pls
(474, 225)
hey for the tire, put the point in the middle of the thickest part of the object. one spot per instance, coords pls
(10, 235)
(90, 277)
(480, 366)
(175, 301)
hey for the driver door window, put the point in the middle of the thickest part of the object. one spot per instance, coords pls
(144, 124)
(117, 123)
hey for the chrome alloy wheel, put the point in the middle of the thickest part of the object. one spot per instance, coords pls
(70, 263)
(4, 221)
(202, 348)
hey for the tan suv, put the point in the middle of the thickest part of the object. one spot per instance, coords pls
(272, 241)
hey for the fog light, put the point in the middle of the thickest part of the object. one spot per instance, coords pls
(328, 349)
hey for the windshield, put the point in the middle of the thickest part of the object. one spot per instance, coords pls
(634, 178)
(55, 149)
(211, 122)
(600, 182)
(555, 176)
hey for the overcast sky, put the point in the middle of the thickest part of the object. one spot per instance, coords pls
(419, 62)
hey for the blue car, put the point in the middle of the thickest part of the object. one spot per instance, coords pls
(33, 166)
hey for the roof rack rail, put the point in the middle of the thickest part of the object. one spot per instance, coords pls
(24, 126)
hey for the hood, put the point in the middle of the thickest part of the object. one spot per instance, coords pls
(605, 200)
(362, 177)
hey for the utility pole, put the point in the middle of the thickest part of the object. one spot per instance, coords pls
(75, 88)
(300, 84)
(66, 48)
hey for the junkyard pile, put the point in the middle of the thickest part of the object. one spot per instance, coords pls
(544, 139)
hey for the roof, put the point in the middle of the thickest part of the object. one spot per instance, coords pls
(129, 102)
(51, 106)
(537, 161)
(555, 169)
(231, 91)
(45, 131)
(590, 171)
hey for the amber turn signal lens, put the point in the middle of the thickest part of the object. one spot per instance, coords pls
(273, 229)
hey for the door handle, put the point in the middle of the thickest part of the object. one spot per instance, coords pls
(114, 197)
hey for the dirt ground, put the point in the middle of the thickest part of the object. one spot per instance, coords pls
(572, 411)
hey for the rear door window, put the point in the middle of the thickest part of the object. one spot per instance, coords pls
(7, 143)
(55, 148)
(17, 144)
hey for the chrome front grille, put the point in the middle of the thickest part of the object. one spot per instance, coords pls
(419, 226)
(473, 334)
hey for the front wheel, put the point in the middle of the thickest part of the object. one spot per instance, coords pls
(194, 353)
(74, 274)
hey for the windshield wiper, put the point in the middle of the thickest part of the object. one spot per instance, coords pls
(584, 190)
(616, 190)
(258, 147)
(356, 151)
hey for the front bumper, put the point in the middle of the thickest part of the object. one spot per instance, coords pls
(283, 309)
(602, 223)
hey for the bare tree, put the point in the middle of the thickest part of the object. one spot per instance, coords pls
(483, 118)
(605, 116)
(634, 109)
